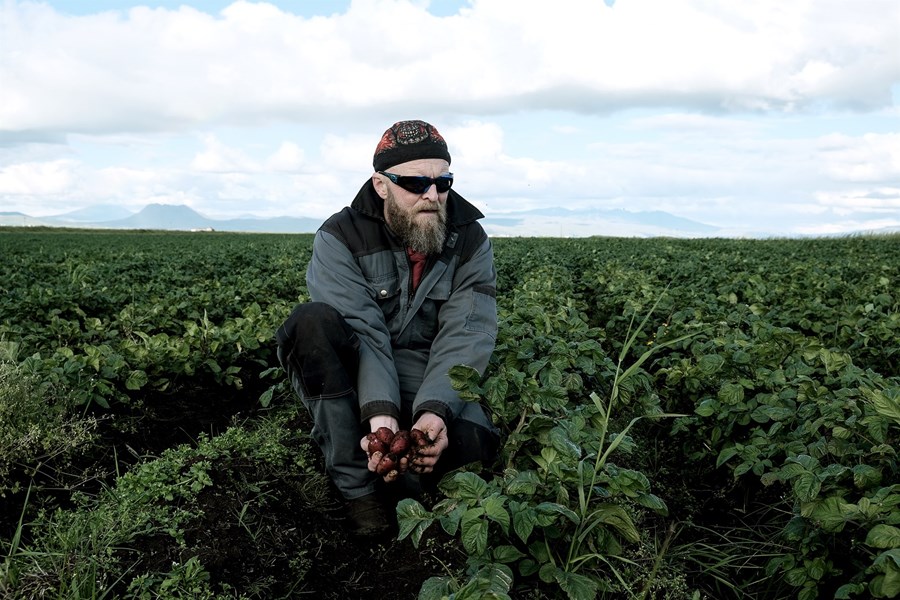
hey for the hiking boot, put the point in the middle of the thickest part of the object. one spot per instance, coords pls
(368, 516)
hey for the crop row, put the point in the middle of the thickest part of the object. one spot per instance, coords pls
(718, 417)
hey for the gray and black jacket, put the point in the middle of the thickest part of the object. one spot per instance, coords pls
(409, 341)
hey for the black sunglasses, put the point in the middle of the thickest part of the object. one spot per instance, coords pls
(418, 184)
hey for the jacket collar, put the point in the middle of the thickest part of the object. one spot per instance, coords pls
(459, 210)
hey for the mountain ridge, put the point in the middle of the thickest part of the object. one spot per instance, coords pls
(540, 222)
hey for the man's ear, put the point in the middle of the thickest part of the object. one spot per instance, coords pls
(380, 186)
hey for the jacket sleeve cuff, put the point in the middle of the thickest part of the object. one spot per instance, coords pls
(434, 406)
(378, 408)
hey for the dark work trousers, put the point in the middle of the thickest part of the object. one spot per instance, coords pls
(320, 353)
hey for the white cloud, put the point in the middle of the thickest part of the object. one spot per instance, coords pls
(475, 142)
(848, 226)
(36, 178)
(862, 200)
(696, 124)
(348, 153)
(157, 69)
(692, 106)
(289, 157)
(867, 158)
(220, 158)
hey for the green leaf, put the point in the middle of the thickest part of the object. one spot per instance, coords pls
(731, 394)
(523, 483)
(500, 580)
(886, 585)
(654, 503)
(450, 521)
(524, 522)
(412, 518)
(808, 593)
(548, 508)
(885, 406)
(494, 510)
(725, 455)
(848, 590)
(547, 573)
(435, 588)
(832, 513)
(884, 537)
(616, 517)
(474, 532)
(796, 576)
(709, 364)
(707, 408)
(469, 486)
(816, 569)
(889, 559)
(866, 476)
(136, 380)
(561, 442)
(577, 586)
(528, 567)
(807, 486)
(507, 554)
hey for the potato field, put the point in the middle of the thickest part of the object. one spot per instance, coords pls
(682, 419)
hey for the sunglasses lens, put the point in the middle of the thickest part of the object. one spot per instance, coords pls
(416, 185)
(419, 184)
(443, 183)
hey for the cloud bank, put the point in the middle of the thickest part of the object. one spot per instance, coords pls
(720, 113)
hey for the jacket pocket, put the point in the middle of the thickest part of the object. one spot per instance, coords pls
(483, 316)
(386, 290)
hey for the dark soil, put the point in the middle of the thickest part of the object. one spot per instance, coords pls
(295, 543)
(125, 435)
(259, 533)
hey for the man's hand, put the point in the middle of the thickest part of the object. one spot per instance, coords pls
(375, 457)
(433, 426)
(426, 456)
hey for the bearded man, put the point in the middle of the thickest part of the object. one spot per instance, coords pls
(402, 287)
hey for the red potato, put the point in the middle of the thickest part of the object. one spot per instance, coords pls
(389, 462)
(376, 445)
(396, 446)
(384, 434)
(401, 443)
(420, 438)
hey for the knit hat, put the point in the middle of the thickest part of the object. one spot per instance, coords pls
(409, 140)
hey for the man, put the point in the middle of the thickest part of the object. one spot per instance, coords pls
(402, 287)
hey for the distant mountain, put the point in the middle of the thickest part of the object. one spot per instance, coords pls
(549, 222)
(180, 217)
(17, 219)
(552, 222)
(98, 213)
(562, 222)
(544, 222)
(164, 216)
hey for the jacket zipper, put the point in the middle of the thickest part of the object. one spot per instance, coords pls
(410, 291)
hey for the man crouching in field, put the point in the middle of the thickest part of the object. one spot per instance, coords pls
(402, 287)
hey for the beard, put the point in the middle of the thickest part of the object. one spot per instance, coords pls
(421, 234)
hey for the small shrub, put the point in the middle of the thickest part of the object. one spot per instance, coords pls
(38, 426)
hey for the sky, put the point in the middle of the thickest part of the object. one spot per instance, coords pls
(766, 116)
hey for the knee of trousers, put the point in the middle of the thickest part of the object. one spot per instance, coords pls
(319, 350)
(315, 321)
(470, 442)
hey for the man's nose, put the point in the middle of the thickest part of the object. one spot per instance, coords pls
(431, 193)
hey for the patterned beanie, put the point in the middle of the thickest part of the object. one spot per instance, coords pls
(409, 140)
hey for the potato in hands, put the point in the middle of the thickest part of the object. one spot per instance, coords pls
(394, 447)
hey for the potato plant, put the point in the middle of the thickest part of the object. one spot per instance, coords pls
(780, 481)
